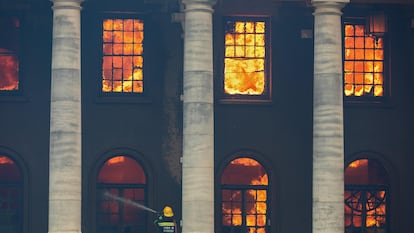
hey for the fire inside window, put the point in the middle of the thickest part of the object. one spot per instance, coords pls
(363, 63)
(9, 61)
(244, 186)
(121, 186)
(11, 192)
(244, 60)
(366, 197)
(122, 65)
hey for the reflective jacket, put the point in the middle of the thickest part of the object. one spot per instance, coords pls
(166, 224)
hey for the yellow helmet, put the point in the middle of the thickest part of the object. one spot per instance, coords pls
(167, 211)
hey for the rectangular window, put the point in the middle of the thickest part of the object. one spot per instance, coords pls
(123, 56)
(9, 49)
(363, 63)
(246, 59)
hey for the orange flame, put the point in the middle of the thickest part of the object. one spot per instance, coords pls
(5, 160)
(122, 66)
(117, 159)
(255, 209)
(364, 62)
(244, 63)
(9, 70)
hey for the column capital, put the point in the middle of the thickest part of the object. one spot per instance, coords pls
(329, 7)
(66, 4)
(330, 1)
(199, 2)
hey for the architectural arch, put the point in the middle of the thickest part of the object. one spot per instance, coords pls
(13, 192)
(121, 185)
(244, 194)
(368, 189)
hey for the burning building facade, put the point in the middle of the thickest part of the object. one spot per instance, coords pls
(244, 116)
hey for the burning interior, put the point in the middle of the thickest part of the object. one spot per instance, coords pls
(123, 56)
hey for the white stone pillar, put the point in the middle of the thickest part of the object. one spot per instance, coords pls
(198, 119)
(65, 153)
(328, 139)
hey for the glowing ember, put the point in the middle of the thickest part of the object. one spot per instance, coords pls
(122, 65)
(364, 63)
(244, 63)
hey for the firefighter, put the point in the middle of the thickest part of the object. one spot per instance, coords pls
(166, 222)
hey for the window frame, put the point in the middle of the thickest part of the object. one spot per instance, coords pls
(122, 97)
(367, 100)
(266, 97)
(243, 188)
(120, 187)
(14, 95)
(20, 186)
(370, 188)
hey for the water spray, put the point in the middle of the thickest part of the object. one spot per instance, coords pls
(129, 202)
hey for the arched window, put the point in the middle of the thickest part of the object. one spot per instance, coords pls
(121, 183)
(366, 197)
(244, 197)
(11, 192)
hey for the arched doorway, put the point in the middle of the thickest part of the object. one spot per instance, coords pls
(366, 197)
(11, 193)
(244, 197)
(124, 178)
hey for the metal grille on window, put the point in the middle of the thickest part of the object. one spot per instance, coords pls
(365, 210)
(122, 65)
(366, 197)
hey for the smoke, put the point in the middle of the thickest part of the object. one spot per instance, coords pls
(129, 202)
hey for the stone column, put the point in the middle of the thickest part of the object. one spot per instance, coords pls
(328, 138)
(198, 119)
(65, 153)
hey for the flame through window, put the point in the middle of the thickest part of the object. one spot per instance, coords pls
(122, 65)
(244, 60)
(366, 197)
(244, 194)
(363, 62)
(9, 61)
